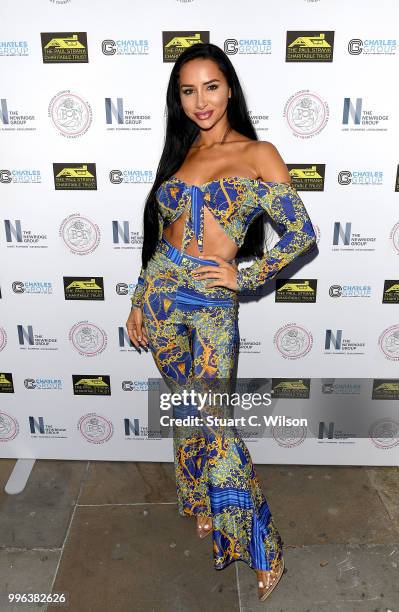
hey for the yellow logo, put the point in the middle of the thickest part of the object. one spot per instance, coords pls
(70, 42)
(184, 41)
(310, 41)
(84, 284)
(81, 171)
(305, 173)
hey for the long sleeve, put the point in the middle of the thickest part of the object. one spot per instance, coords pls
(283, 204)
(137, 297)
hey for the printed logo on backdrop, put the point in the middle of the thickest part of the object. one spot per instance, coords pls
(43, 384)
(349, 291)
(125, 46)
(337, 344)
(389, 342)
(80, 234)
(125, 344)
(384, 433)
(9, 427)
(385, 389)
(290, 388)
(24, 238)
(360, 177)
(293, 341)
(117, 115)
(3, 338)
(367, 120)
(394, 237)
(330, 434)
(371, 46)
(75, 176)
(330, 387)
(32, 287)
(175, 42)
(40, 429)
(247, 46)
(344, 239)
(91, 384)
(30, 340)
(391, 292)
(124, 238)
(309, 46)
(14, 48)
(83, 287)
(64, 47)
(59, 2)
(13, 120)
(259, 121)
(131, 176)
(139, 385)
(20, 176)
(70, 113)
(289, 436)
(6, 382)
(306, 114)
(250, 345)
(88, 339)
(307, 177)
(134, 431)
(95, 428)
(296, 290)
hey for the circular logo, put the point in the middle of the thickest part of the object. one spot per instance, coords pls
(394, 236)
(293, 341)
(70, 114)
(80, 234)
(3, 338)
(9, 427)
(389, 342)
(306, 113)
(88, 339)
(95, 428)
(384, 433)
(289, 436)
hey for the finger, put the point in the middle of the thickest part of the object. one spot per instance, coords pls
(201, 269)
(131, 330)
(214, 258)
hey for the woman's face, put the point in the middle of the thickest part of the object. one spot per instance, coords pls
(204, 91)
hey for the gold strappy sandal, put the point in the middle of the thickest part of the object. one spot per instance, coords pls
(205, 528)
(265, 587)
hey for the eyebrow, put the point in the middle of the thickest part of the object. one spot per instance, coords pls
(205, 83)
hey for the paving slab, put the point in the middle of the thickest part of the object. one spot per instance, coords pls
(323, 578)
(139, 559)
(326, 505)
(38, 517)
(118, 482)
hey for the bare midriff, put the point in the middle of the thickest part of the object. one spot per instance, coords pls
(216, 241)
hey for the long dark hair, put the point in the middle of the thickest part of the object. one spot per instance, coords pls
(180, 134)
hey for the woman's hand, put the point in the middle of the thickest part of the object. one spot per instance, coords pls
(225, 274)
(135, 328)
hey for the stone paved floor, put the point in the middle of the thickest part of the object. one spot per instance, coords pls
(109, 534)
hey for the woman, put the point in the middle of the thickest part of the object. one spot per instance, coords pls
(214, 182)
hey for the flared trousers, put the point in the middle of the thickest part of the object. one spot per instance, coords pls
(193, 336)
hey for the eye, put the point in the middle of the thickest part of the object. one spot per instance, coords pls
(187, 91)
(215, 86)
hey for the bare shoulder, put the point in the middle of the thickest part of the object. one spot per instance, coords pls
(268, 162)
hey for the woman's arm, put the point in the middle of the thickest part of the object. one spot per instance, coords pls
(276, 196)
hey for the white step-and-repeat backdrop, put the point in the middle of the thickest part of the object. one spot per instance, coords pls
(82, 118)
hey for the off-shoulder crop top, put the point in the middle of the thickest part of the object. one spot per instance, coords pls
(235, 202)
